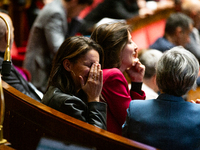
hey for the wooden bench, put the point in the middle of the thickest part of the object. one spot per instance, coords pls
(27, 121)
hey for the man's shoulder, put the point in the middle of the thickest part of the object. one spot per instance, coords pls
(162, 44)
(51, 9)
(140, 103)
(54, 6)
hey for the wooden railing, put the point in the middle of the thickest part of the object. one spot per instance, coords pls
(159, 14)
(27, 121)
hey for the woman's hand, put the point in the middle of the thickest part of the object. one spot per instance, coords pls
(136, 72)
(94, 83)
(197, 101)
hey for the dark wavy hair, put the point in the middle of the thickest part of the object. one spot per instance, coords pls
(72, 49)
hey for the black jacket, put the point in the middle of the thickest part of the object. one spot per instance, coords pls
(16, 80)
(115, 9)
(93, 112)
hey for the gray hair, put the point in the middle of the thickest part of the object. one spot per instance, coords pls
(177, 71)
(149, 59)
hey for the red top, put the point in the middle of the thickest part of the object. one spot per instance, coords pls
(117, 96)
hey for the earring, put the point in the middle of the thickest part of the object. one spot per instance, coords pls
(73, 72)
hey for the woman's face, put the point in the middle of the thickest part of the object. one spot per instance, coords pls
(128, 54)
(82, 67)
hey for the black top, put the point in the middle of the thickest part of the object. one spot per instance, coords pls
(16, 80)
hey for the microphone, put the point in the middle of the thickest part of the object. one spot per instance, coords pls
(6, 65)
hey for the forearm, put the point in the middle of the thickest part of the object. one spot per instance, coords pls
(97, 114)
(136, 90)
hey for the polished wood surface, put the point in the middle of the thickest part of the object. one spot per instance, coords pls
(159, 14)
(27, 121)
(193, 94)
(5, 147)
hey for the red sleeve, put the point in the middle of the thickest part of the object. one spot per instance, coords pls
(136, 95)
(117, 94)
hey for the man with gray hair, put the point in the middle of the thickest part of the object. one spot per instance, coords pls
(149, 59)
(168, 122)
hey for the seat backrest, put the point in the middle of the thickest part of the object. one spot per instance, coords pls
(27, 121)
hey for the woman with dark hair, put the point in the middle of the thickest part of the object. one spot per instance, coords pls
(76, 81)
(120, 56)
(56, 21)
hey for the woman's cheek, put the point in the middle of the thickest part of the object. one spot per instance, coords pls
(87, 72)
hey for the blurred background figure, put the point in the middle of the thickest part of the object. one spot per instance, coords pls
(121, 9)
(177, 32)
(55, 22)
(149, 59)
(15, 79)
(192, 9)
(33, 8)
(115, 9)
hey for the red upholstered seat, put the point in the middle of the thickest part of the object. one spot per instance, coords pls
(17, 55)
(147, 35)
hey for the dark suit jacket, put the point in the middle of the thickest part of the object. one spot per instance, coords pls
(167, 123)
(162, 44)
(115, 9)
(193, 46)
(16, 80)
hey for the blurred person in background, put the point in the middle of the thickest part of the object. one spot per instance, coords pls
(55, 22)
(15, 79)
(192, 9)
(177, 32)
(149, 59)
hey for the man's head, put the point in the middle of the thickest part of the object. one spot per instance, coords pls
(192, 9)
(177, 71)
(4, 31)
(178, 28)
(149, 58)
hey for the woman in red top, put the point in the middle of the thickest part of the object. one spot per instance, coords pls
(120, 54)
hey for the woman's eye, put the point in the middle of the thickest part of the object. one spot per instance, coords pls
(89, 65)
(130, 42)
